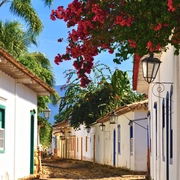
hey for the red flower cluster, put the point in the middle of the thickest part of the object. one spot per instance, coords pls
(111, 51)
(100, 15)
(132, 43)
(151, 48)
(60, 39)
(74, 10)
(103, 25)
(170, 6)
(77, 64)
(84, 82)
(124, 20)
(158, 27)
(58, 59)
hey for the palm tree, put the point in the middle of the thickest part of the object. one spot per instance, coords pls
(16, 42)
(14, 39)
(24, 9)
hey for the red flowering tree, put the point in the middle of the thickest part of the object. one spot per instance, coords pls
(127, 26)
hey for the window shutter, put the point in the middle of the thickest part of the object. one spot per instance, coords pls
(1, 139)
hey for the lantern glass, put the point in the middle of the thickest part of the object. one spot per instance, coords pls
(102, 127)
(88, 129)
(150, 67)
(47, 113)
(113, 118)
(61, 133)
(69, 133)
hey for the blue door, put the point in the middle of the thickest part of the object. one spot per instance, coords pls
(114, 147)
(32, 143)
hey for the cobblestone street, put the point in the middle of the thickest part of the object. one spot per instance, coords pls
(55, 169)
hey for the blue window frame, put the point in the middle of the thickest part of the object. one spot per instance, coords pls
(149, 131)
(171, 127)
(163, 130)
(155, 107)
(119, 139)
(2, 129)
(131, 139)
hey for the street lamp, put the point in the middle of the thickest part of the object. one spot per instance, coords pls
(88, 129)
(130, 122)
(102, 127)
(134, 121)
(47, 113)
(113, 118)
(62, 137)
(150, 67)
(61, 133)
(69, 133)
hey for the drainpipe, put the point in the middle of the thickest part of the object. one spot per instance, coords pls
(167, 141)
(15, 116)
(159, 112)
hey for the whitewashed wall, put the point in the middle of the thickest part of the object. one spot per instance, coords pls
(124, 159)
(82, 153)
(102, 151)
(99, 145)
(138, 160)
(140, 142)
(19, 100)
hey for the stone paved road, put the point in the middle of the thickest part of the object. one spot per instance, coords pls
(58, 169)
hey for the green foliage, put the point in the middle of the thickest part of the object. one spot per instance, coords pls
(45, 132)
(25, 10)
(14, 39)
(16, 42)
(40, 65)
(103, 95)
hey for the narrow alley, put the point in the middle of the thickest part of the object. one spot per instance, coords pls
(55, 169)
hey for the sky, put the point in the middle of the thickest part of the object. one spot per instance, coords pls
(52, 31)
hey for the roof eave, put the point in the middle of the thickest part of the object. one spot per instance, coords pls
(13, 68)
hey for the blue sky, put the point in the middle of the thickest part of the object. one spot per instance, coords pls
(53, 30)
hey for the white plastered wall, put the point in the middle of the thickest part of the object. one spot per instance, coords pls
(19, 100)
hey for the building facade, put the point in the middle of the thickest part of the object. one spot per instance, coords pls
(164, 99)
(18, 118)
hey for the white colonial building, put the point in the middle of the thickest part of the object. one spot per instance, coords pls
(19, 89)
(164, 101)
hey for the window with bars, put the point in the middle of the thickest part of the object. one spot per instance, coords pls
(2, 128)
